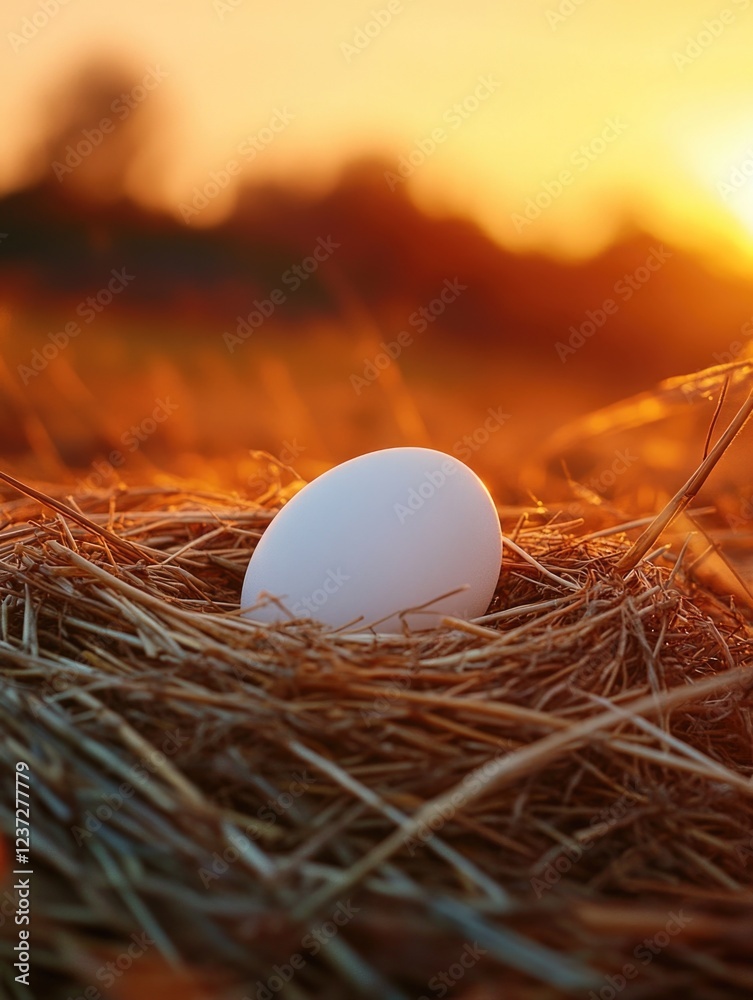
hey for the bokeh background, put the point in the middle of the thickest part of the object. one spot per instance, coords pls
(314, 230)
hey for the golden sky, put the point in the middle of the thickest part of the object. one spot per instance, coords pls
(597, 111)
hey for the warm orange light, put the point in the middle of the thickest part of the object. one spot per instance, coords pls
(562, 72)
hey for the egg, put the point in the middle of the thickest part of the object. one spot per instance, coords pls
(386, 532)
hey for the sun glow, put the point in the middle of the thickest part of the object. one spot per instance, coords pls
(687, 125)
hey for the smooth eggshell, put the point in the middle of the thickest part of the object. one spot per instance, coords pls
(379, 534)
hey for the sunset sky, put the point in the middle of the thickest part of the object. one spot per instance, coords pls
(647, 107)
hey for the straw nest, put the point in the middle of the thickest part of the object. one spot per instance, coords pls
(553, 801)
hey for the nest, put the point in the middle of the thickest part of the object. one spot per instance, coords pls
(553, 801)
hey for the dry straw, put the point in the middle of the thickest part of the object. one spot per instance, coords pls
(553, 800)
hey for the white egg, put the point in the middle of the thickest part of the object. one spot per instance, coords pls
(383, 533)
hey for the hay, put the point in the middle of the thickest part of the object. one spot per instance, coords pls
(506, 808)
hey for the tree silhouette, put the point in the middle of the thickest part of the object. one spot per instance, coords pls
(99, 134)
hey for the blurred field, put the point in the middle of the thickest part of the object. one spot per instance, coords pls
(295, 390)
(565, 309)
(292, 395)
(360, 351)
